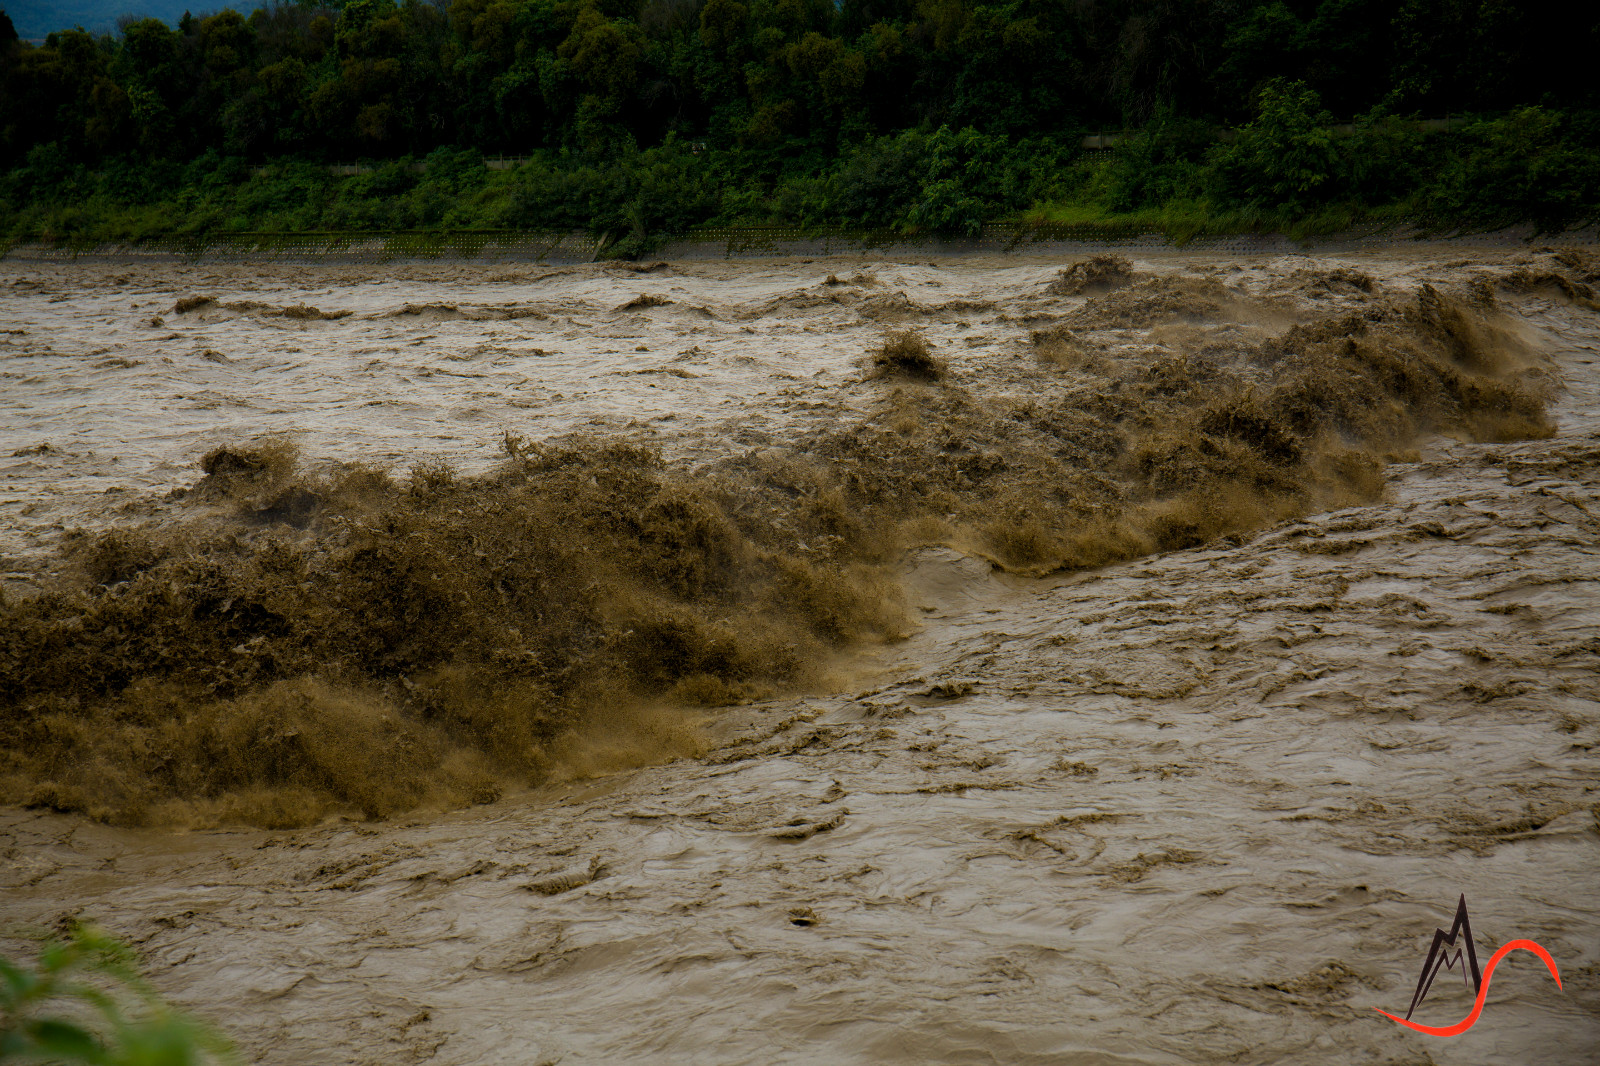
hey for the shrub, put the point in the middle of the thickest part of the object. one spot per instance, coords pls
(84, 1002)
(1286, 158)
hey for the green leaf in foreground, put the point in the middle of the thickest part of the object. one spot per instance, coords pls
(83, 1001)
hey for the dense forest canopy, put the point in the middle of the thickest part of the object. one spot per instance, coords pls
(377, 78)
(779, 90)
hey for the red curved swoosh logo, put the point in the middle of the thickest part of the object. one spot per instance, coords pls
(1483, 991)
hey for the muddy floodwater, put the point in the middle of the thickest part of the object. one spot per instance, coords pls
(1199, 805)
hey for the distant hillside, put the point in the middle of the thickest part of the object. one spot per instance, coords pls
(34, 19)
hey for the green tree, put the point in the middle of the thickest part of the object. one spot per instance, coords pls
(1285, 159)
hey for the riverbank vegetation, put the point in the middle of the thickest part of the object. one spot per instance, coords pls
(639, 118)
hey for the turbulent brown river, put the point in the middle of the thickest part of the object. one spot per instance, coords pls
(1198, 788)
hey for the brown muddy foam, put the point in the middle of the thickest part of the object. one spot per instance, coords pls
(290, 643)
(1204, 805)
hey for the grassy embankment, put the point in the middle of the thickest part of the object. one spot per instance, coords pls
(1289, 171)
